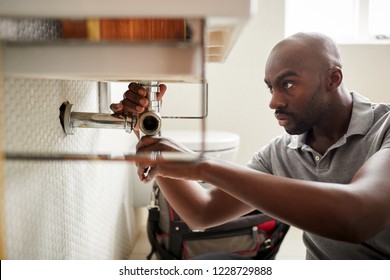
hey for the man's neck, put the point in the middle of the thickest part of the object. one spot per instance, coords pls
(321, 137)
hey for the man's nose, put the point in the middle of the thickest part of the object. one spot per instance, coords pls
(277, 101)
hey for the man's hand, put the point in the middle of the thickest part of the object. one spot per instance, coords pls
(169, 168)
(135, 100)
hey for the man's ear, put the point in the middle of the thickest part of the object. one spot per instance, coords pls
(335, 78)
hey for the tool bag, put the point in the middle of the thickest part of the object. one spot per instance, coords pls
(254, 235)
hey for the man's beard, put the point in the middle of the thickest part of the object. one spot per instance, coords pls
(304, 121)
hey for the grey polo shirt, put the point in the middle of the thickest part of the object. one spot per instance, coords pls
(289, 156)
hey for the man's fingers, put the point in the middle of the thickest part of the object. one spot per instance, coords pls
(116, 107)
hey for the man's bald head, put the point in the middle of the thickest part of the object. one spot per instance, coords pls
(315, 47)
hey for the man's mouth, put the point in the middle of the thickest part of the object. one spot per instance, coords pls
(282, 118)
(283, 122)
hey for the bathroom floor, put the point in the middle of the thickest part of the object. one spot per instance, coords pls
(291, 249)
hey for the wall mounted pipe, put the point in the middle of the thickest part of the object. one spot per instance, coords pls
(71, 120)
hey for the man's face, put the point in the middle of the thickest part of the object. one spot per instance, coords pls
(297, 92)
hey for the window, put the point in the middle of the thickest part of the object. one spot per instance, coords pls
(379, 18)
(345, 21)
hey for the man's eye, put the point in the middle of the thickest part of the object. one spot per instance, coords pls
(269, 87)
(287, 85)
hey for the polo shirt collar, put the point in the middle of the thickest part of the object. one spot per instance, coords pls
(361, 121)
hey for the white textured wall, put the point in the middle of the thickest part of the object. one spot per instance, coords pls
(63, 210)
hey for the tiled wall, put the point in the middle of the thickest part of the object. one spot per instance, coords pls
(63, 209)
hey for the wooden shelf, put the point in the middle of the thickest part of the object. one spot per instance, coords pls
(183, 62)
